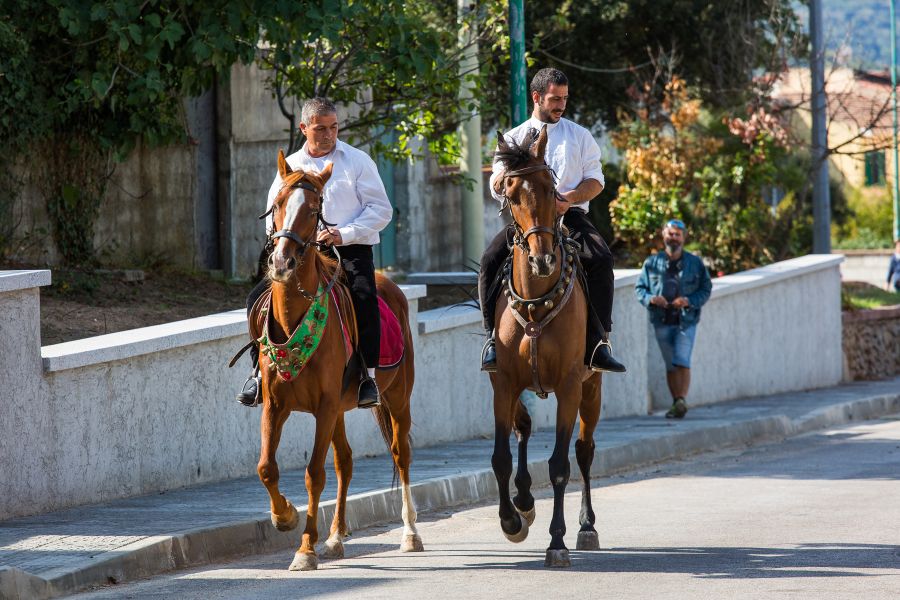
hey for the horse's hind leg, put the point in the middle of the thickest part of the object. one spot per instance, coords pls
(343, 467)
(284, 515)
(305, 558)
(401, 450)
(523, 500)
(584, 453)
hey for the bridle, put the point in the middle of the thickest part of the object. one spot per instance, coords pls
(520, 237)
(305, 244)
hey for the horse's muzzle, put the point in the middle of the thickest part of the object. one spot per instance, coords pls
(281, 267)
(542, 265)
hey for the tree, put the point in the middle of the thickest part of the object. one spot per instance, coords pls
(602, 44)
(81, 82)
(394, 63)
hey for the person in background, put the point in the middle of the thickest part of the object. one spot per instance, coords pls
(673, 286)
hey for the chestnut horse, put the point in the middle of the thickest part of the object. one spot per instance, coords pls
(540, 342)
(299, 275)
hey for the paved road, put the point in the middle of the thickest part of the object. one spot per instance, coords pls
(817, 516)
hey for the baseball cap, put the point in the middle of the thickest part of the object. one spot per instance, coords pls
(676, 223)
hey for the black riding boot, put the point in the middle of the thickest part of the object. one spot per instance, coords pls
(598, 351)
(368, 395)
(489, 354)
(251, 393)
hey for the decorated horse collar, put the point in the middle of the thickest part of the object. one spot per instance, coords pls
(291, 357)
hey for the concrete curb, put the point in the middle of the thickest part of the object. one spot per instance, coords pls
(206, 545)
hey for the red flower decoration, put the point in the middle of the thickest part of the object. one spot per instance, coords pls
(280, 353)
(286, 375)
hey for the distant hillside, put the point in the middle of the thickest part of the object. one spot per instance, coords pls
(864, 25)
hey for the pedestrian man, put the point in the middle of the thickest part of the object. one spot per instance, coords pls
(356, 202)
(674, 285)
(893, 275)
(574, 156)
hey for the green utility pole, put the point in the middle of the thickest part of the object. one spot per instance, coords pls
(894, 101)
(518, 88)
(470, 138)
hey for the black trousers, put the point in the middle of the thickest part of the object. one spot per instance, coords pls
(359, 269)
(595, 257)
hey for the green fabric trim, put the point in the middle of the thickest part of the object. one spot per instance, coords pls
(291, 357)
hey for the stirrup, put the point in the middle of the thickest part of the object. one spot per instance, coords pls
(611, 366)
(489, 346)
(243, 398)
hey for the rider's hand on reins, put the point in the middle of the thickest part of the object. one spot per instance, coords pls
(329, 237)
(562, 204)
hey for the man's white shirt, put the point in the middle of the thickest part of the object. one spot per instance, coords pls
(355, 199)
(572, 152)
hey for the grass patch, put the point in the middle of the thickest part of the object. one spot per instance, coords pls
(862, 296)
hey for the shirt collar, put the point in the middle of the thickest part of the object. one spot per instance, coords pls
(338, 148)
(538, 124)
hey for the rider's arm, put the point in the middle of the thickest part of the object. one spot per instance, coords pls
(377, 210)
(592, 180)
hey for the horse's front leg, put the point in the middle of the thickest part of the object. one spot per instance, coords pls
(523, 500)
(589, 412)
(284, 515)
(305, 558)
(343, 467)
(514, 526)
(568, 399)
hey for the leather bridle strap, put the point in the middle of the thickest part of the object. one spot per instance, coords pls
(538, 229)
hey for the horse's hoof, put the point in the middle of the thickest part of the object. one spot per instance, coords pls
(412, 543)
(333, 548)
(519, 536)
(557, 558)
(290, 523)
(304, 562)
(588, 540)
(529, 515)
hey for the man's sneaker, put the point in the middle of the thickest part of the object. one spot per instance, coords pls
(250, 394)
(368, 396)
(489, 356)
(678, 410)
(602, 359)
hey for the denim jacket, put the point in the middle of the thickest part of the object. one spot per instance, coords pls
(693, 280)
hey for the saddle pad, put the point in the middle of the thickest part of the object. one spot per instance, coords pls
(391, 350)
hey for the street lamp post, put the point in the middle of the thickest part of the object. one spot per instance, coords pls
(517, 87)
(894, 102)
(821, 193)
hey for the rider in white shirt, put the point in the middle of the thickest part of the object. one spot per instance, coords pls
(354, 200)
(574, 156)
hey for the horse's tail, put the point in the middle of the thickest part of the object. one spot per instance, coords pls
(383, 418)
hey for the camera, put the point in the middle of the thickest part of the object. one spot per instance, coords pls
(671, 316)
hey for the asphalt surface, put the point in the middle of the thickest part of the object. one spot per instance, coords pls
(815, 516)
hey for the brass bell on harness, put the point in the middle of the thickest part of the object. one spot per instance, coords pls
(515, 304)
(568, 269)
(548, 303)
(570, 258)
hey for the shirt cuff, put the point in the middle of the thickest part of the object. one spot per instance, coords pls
(348, 235)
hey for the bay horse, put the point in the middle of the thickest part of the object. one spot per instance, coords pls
(540, 346)
(305, 291)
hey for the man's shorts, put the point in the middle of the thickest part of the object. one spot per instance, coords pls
(676, 342)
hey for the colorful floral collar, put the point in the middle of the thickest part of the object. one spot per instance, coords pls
(291, 357)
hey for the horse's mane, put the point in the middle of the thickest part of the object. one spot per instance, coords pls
(516, 155)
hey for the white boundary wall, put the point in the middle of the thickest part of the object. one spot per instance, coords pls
(153, 409)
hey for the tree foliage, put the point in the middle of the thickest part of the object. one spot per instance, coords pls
(602, 44)
(716, 173)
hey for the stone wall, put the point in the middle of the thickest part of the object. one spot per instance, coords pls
(871, 343)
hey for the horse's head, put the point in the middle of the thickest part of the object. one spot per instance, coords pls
(528, 187)
(295, 216)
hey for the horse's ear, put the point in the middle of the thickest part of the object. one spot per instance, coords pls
(283, 168)
(501, 141)
(540, 144)
(326, 173)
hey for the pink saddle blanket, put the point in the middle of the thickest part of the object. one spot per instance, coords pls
(391, 348)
